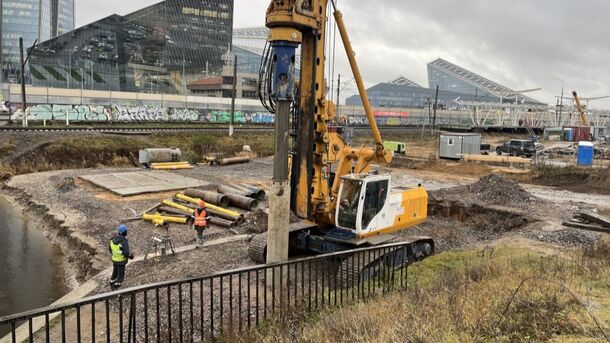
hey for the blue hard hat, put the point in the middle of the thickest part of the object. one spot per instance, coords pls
(122, 229)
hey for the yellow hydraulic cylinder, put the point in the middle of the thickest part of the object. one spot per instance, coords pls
(208, 205)
(158, 219)
(351, 56)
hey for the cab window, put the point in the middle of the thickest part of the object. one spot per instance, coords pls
(374, 200)
(348, 204)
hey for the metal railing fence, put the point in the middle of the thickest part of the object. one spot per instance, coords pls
(209, 307)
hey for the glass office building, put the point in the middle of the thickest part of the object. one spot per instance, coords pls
(30, 19)
(64, 13)
(450, 77)
(158, 49)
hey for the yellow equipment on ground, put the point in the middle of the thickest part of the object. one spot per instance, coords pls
(170, 166)
(208, 205)
(159, 220)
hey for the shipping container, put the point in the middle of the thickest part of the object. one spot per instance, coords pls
(454, 145)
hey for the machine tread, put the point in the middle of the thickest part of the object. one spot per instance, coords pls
(257, 250)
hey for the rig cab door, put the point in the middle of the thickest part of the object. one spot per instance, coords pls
(362, 203)
(375, 199)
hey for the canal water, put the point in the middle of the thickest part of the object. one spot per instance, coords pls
(31, 267)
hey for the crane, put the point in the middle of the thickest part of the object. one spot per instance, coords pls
(330, 186)
(581, 109)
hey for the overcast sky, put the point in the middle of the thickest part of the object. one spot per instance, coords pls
(518, 43)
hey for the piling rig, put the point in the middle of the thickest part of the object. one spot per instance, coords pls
(329, 185)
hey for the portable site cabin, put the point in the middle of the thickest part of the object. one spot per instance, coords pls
(453, 145)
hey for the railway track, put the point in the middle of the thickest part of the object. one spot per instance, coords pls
(139, 129)
(133, 129)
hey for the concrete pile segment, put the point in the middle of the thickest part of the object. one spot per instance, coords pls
(209, 197)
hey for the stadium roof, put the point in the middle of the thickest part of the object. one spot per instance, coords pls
(403, 81)
(476, 80)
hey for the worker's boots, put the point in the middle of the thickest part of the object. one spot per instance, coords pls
(199, 241)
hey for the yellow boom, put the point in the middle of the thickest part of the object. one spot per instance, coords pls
(581, 109)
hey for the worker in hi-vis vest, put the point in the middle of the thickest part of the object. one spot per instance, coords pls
(200, 220)
(119, 248)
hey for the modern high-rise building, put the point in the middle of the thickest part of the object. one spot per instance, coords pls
(33, 20)
(158, 49)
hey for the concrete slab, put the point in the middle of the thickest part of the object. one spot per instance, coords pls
(141, 182)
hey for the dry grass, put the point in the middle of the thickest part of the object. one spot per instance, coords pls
(460, 297)
(5, 172)
(96, 151)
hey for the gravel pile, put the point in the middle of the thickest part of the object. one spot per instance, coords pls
(492, 189)
(569, 237)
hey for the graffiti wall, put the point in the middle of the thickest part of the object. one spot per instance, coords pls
(99, 113)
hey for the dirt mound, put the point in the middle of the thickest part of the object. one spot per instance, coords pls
(492, 189)
(255, 222)
(462, 168)
(599, 181)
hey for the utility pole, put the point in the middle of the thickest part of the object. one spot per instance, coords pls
(561, 103)
(233, 96)
(24, 121)
(23, 62)
(435, 106)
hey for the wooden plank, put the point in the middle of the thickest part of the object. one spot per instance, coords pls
(496, 159)
(595, 218)
(586, 227)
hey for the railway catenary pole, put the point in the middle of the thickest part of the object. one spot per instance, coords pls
(435, 107)
(233, 96)
(24, 122)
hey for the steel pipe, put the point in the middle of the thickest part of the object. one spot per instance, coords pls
(210, 206)
(222, 222)
(257, 192)
(237, 219)
(242, 202)
(232, 160)
(173, 210)
(234, 189)
(209, 197)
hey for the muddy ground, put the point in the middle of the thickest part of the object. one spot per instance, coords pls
(481, 212)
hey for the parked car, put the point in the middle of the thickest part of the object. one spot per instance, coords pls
(519, 147)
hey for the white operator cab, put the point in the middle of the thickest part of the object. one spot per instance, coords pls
(368, 206)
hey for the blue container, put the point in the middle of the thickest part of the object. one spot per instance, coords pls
(585, 154)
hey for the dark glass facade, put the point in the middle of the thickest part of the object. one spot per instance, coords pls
(158, 49)
(64, 16)
(30, 19)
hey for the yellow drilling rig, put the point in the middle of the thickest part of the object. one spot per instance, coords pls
(329, 185)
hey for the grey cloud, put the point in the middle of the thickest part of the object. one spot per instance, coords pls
(519, 43)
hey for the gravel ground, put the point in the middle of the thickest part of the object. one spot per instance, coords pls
(93, 214)
(493, 208)
(568, 237)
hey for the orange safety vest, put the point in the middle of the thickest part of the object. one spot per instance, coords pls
(200, 218)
